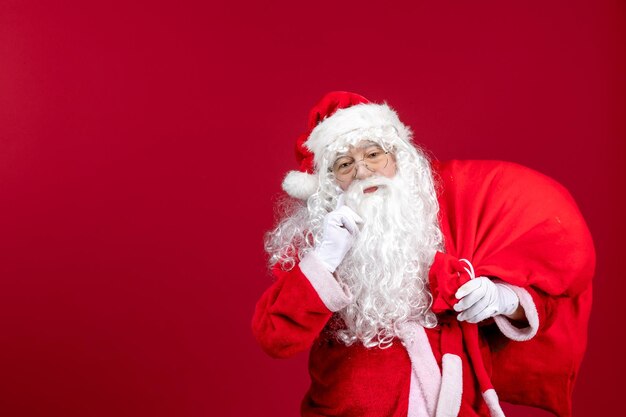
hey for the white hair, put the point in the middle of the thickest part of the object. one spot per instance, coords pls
(387, 268)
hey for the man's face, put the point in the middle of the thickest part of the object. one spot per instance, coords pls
(362, 161)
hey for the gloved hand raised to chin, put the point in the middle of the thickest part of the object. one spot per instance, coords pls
(481, 298)
(339, 229)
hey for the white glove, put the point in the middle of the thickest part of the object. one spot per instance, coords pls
(481, 298)
(340, 227)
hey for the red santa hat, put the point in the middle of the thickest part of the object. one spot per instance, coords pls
(337, 114)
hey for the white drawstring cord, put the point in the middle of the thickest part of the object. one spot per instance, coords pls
(470, 271)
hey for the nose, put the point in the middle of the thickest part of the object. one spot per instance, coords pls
(362, 171)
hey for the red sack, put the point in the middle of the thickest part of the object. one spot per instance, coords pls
(524, 228)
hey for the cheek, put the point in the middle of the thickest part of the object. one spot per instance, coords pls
(390, 170)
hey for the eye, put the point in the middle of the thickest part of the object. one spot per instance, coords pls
(376, 153)
(343, 164)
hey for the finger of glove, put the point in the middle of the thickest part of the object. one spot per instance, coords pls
(482, 290)
(474, 310)
(480, 311)
(469, 287)
(466, 302)
(350, 224)
(472, 292)
(483, 315)
(348, 218)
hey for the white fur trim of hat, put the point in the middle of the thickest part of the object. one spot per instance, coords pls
(361, 117)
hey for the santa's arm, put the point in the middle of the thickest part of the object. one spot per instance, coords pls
(294, 310)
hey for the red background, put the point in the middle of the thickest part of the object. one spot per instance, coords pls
(142, 146)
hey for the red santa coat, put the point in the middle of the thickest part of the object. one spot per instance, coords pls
(511, 223)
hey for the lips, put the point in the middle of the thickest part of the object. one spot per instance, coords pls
(370, 189)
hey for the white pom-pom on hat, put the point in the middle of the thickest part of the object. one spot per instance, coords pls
(300, 185)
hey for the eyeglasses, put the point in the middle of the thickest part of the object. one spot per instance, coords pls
(345, 167)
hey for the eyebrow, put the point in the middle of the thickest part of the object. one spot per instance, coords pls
(366, 144)
(369, 143)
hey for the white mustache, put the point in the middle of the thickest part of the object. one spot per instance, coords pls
(357, 187)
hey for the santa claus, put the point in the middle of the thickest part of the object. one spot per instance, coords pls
(422, 288)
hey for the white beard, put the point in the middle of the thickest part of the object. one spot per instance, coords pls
(387, 267)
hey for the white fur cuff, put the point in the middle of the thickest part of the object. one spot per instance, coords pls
(327, 287)
(527, 303)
